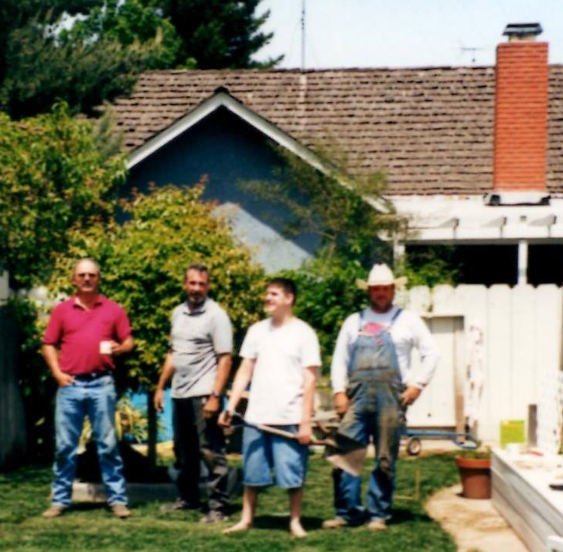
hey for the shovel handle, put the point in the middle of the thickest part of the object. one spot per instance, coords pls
(275, 431)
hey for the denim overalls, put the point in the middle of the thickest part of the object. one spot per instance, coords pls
(374, 389)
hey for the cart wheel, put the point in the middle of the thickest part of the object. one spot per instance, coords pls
(414, 446)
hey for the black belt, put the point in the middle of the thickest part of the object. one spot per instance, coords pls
(92, 375)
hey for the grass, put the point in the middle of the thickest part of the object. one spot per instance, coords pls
(24, 492)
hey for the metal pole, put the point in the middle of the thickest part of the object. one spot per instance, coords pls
(302, 35)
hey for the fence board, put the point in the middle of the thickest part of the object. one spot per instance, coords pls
(524, 339)
(436, 406)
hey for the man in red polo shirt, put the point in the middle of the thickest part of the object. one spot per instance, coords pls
(83, 336)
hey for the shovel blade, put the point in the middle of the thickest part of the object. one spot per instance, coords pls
(351, 462)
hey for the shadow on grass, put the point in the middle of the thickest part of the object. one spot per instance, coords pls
(281, 522)
(403, 515)
(400, 516)
(35, 475)
(87, 507)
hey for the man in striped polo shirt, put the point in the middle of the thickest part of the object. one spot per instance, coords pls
(199, 363)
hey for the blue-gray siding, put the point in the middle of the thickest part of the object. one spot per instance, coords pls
(228, 151)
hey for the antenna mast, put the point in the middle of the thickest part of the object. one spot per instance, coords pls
(471, 50)
(302, 35)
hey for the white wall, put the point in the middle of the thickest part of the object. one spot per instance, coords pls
(522, 348)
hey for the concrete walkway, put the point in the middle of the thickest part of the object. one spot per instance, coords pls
(474, 524)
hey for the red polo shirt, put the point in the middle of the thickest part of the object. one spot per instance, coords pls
(77, 333)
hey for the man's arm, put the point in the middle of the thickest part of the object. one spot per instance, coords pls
(124, 347)
(165, 375)
(213, 403)
(424, 341)
(339, 368)
(242, 379)
(309, 385)
(51, 356)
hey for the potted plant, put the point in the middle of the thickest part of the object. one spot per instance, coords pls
(475, 472)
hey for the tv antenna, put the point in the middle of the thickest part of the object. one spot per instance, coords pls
(471, 50)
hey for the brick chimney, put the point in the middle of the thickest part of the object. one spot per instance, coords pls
(520, 143)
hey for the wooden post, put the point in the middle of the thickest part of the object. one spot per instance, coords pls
(152, 431)
(459, 373)
(12, 416)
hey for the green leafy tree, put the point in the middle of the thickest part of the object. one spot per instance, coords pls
(130, 22)
(53, 177)
(218, 34)
(17, 14)
(90, 51)
(143, 262)
(431, 266)
(41, 63)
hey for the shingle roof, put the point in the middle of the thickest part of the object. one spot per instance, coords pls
(430, 129)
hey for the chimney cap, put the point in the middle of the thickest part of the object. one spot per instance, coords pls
(522, 31)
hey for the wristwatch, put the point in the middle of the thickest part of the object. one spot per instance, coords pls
(215, 394)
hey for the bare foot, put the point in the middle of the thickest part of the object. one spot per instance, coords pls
(296, 529)
(240, 527)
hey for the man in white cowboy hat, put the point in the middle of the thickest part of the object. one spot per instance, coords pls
(373, 385)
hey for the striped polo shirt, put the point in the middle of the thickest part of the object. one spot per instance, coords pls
(197, 337)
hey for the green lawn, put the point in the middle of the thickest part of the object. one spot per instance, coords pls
(23, 496)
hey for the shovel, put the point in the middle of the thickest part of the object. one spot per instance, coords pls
(347, 455)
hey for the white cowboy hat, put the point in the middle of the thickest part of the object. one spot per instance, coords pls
(381, 275)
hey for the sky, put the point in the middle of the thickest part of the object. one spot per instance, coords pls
(403, 33)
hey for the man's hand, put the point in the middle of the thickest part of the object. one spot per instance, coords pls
(305, 433)
(410, 395)
(225, 418)
(124, 347)
(212, 406)
(341, 403)
(158, 400)
(117, 348)
(63, 379)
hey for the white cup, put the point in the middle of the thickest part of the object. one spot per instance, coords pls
(105, 347)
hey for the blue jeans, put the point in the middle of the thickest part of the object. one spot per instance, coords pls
(264, 452)
(95, 399)
(380, 418)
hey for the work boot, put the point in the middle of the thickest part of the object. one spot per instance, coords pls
(377, 525)
(54, 511)
(336, 523)
(120, 511)
(178, 505)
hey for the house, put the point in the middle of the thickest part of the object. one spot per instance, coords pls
(473, 155)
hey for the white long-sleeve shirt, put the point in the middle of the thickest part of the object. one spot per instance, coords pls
(407, 331)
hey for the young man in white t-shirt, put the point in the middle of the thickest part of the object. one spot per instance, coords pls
(281, 357)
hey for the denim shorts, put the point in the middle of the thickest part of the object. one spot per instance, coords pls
(264, 453)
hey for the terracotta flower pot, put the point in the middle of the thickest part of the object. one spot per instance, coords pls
(475, 476)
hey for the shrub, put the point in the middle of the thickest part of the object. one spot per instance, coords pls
(143, 262)
(53, 176)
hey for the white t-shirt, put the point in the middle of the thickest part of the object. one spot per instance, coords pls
(408, 331)
(282, 354)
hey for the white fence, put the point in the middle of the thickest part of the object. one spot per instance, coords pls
(522, 349)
